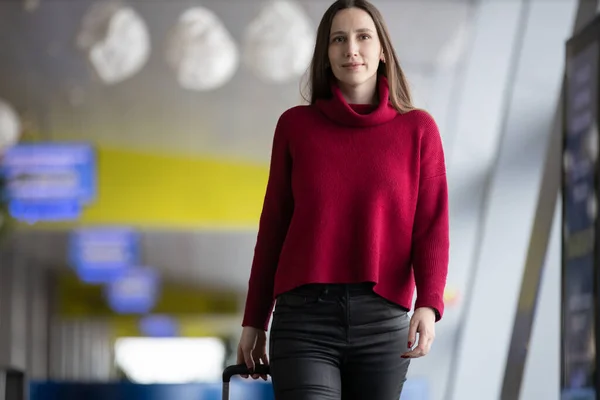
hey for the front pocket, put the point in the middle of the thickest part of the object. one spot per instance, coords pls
(390, 303)
(295, 301)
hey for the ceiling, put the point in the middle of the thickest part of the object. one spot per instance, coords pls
(48, 79)
(51, 85)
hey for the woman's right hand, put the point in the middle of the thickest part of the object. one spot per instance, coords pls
(253, 349)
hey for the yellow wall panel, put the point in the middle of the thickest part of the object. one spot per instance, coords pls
(167, 191)
(77, 299)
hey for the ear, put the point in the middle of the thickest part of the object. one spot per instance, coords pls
(382, 56)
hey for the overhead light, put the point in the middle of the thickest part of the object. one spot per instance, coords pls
(201, 51)
(10, 126)
(116, 40)
(31, 5)
(170, 360)
(279, 42)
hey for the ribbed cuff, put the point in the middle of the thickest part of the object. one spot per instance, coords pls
(436, 302)
(256, 323)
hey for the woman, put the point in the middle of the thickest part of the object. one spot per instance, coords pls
(355, 216)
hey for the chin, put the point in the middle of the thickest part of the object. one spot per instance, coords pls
(355, 80)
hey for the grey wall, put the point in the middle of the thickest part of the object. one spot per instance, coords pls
(473, 130)
(81, 350)
(497, 256)
(34, 339)
(24, 315)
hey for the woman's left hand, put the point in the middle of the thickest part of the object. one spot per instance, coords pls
(423, 323)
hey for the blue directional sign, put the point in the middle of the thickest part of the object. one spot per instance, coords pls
(44, 210)
(49, 181)
(159, 326)
(100, 255)
(135, 291)
(578, 394)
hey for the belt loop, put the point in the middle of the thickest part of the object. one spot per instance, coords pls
(323, 292)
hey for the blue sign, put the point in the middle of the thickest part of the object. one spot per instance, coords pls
(44, 210)
(100, 255)
(135, 291)
(159, 326)
(50, 181)
(578, 394)
(61, 390)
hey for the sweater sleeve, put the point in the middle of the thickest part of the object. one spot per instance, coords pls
(430, 245)
(274, 221)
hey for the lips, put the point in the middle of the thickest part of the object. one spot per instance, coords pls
(352, 65)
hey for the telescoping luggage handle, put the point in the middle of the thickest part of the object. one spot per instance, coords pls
(240, 369)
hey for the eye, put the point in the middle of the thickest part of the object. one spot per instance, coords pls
(337, 39)
(365, 37)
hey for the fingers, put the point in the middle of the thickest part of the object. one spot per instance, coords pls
(241, 359)
(250, 353)
(412, 332)
(422, 349)
(248, 360)
(261, 356)
(264, 360)
(426, 337)
(244, 356)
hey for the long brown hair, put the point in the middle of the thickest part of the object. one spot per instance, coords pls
(320, 73)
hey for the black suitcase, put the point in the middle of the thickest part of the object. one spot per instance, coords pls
(239, 369)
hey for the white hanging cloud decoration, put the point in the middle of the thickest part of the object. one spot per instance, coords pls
(279, 43)
(10, 126)
(201, 51)
(116, 40)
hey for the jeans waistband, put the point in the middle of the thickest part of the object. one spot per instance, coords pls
(334, 289)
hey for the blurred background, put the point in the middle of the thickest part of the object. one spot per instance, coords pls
(135, 139)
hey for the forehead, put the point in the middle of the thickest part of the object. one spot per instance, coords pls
(352, 19)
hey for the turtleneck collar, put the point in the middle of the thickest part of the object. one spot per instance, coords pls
(359, 115)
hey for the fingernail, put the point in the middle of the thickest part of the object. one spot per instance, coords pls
(409, 344)
(404, 356)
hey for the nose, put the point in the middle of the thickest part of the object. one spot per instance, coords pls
(352, 48)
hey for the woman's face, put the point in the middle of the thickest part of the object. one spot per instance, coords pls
(354, 48)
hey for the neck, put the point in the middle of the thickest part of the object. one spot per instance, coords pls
(358, 111)
(365, 93)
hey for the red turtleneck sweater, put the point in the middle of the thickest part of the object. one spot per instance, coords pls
(355, 194)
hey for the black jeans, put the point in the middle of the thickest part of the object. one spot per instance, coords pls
(338, 342)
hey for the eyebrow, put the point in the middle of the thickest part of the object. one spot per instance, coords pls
(361, 30)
